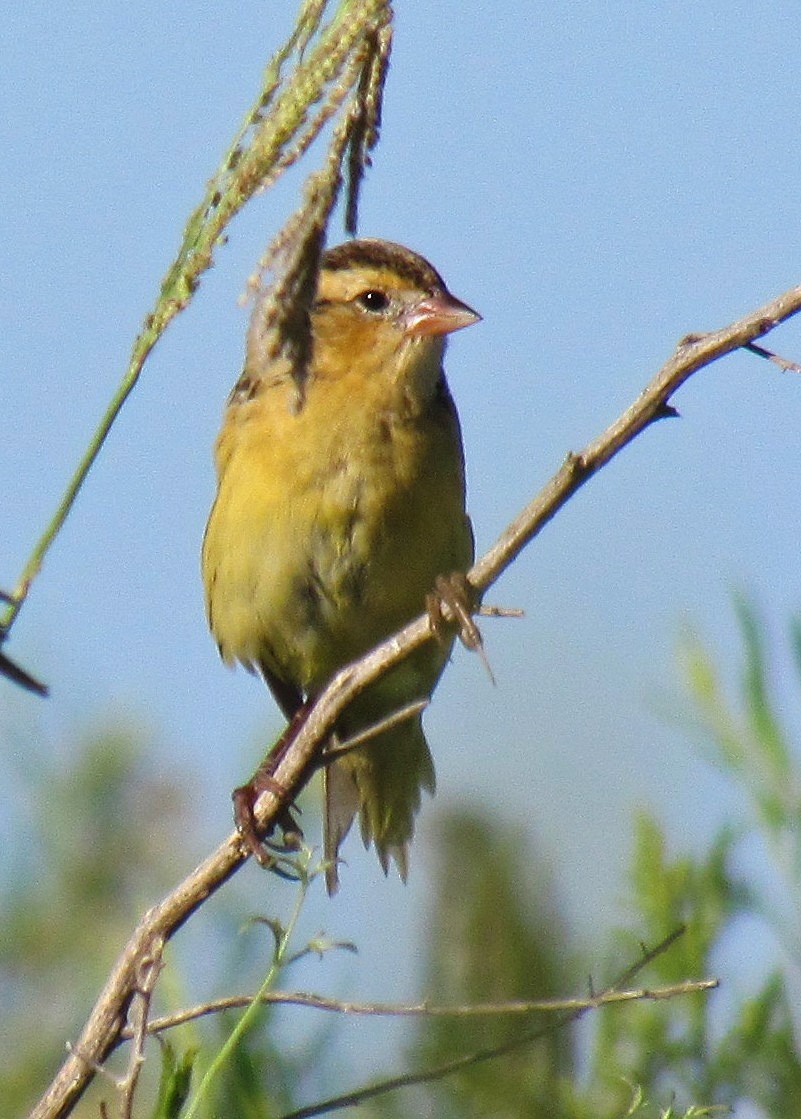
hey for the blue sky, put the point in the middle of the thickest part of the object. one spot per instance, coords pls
(597, 180)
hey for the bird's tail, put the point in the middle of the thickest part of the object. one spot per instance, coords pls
(381, 781)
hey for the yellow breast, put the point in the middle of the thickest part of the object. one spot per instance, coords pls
(330, 525)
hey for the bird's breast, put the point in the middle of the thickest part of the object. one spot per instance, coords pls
(329, 528)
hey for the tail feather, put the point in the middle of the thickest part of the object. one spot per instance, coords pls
(341, 803)
(383, 782)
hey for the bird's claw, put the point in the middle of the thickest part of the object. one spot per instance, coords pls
(455, 592)
(264, 852)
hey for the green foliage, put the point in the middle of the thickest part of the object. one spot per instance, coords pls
(668, 1047)
(100, 847)
(494, 935)
(750, 743)
(238, 1071)
(258, 1081)
(175, 1082)
(686, 1046)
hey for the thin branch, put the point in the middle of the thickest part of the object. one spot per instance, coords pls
(358, 741)
(149, 970)
(448, 1068)
(692, 354)
(425, 1009)
(782, 362)
(107, 1018)
(485, 611)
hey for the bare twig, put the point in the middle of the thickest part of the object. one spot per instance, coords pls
(358, 741)
(469, 1060)
(692, 354)
(107, 1018)
(429, 1010)
(486, 611)
(149, 970)
(783, 363)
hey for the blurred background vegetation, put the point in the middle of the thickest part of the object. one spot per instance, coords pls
(92, 846)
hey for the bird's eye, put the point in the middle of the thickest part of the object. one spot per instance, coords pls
(373, 300)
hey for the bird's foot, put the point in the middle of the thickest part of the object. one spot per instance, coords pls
(455, 593)
(245, 798)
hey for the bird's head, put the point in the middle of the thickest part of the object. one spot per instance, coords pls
(385, 307)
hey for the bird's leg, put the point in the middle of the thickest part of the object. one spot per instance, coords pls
(455, 592)
(262, 781)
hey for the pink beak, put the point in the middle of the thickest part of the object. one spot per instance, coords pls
(439, 314)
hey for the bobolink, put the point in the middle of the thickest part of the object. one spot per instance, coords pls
(333, 520)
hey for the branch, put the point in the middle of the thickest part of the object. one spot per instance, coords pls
(692, 353)
(425, 1009)
(469, 1060)
(107, 1019)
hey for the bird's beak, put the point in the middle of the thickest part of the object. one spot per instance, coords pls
(439, 314)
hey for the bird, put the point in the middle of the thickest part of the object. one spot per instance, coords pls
(336, 516)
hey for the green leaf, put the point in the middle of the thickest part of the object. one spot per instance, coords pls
(175, 1081)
